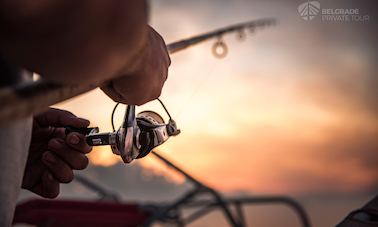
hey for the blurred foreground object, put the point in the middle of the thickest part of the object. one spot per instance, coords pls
(111, 212)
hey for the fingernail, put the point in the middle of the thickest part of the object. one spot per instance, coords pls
(74, 139)
(49, 158)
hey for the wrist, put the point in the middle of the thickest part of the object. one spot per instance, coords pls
(138, 60)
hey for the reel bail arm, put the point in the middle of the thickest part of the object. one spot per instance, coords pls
(136, 137)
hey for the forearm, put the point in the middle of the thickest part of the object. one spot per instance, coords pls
(73, 41)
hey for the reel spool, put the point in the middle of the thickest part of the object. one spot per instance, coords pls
(153, 131)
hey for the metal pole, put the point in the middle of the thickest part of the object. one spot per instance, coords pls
(299, 210)
(239, 211)
(202, 188)
(32, 98)
(104, 193)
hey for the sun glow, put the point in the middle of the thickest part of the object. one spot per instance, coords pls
(274, 116)
(103, 156)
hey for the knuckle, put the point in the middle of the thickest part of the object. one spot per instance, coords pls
(54, 144)
(114, 97)
(52, 195)
(67, 177)
(165, 76)
(64, 113)
(156, 34)
(157, 94)
(140, 102)
(81, 164)
(88, 148)
(157, 91)
(139, 99)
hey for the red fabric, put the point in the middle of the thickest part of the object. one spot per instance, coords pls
(79, 213)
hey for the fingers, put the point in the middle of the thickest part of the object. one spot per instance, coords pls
(59, 168)
(48, 187)
(32, 175)
(60, 118)
(139, 89)
(56, 165)
(109, 90)
(40, 181)
(74, 158)
(77, 141)
(126, 90)
(146, 82)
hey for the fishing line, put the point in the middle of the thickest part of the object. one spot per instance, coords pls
(202, 82)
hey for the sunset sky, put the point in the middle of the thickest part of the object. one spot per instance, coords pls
(292, 109)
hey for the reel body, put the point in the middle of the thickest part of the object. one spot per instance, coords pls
(137, 135)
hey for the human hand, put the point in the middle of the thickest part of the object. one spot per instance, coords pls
(147, 81)
(52, 154)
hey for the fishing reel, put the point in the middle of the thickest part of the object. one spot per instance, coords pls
(137, 135)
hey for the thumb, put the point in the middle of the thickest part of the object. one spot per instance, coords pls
(60, 118)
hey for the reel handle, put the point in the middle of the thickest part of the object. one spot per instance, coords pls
(100, 139)
(93, 138)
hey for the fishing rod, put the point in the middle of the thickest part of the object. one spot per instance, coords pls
(35, 97)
